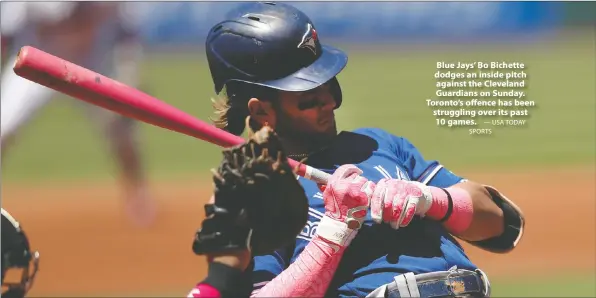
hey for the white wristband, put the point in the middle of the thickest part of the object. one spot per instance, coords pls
(335, 231)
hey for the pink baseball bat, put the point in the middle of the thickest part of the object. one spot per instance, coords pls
(89, 86)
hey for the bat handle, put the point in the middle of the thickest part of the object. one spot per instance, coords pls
(316, 175)
(309, 172)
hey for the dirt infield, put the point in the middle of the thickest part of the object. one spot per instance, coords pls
(88, 248)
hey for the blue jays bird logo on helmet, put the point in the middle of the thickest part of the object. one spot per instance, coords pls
(309, 39)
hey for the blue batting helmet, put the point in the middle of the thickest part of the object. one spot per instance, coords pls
(274, 45)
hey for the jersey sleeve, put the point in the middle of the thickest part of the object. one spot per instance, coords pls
(429, 172)
(267, 267)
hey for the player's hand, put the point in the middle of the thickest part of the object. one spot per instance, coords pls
(397, 201)
(347, 198)
(239, 259)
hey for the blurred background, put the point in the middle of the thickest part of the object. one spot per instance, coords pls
(61, 180)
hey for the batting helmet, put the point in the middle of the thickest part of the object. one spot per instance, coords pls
(16, 255)
(273, 45)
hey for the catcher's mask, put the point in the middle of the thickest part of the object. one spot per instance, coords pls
(19, 264)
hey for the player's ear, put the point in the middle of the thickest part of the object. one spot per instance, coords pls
(261, 111)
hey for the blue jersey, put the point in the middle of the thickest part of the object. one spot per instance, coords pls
(378, 252)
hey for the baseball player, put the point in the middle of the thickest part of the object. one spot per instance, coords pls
(99, 36)
(19, 263)
(270, 68)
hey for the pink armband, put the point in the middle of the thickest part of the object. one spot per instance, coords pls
(452, 206)
(204, 290)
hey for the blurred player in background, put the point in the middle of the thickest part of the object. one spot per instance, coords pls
(19, 263)
(101, 36)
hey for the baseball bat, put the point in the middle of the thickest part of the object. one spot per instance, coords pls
(86, 85)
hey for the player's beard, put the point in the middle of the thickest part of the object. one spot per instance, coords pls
(305, 141)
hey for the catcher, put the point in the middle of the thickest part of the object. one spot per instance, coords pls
(19, 263)
(269, 68)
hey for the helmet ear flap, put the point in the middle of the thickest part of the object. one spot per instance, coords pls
(335, 89)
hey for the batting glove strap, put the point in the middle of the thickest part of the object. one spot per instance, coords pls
(335, 231)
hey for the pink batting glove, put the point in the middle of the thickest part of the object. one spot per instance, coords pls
(347, 198)
(397, 201)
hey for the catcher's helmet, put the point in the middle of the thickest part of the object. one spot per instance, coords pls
(273, 45)
(16, 257)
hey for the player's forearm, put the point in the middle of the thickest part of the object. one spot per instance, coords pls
(473, 215)
(487, 221)
(309, 276)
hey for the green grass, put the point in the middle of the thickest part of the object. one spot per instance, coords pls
(382, 88)
(565, 286)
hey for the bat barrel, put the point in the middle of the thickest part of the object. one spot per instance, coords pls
(84, 84)
(94, 88)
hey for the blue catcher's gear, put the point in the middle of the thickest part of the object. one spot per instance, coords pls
(16, 255)
(273, 45)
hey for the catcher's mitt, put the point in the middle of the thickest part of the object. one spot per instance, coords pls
(258, 202)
